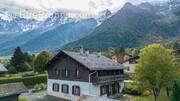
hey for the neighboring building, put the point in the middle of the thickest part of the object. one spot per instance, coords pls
(177, 53)
(11, 91)
(2, 69)
(130, 65)
(120, 58)
(71, 75)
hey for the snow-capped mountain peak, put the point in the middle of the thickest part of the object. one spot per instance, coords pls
(57, 18)
(5, 16)
(102, 16)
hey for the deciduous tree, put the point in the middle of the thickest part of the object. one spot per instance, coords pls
(41, 61)
(155, 68)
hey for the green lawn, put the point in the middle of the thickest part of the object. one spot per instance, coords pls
(162, 97)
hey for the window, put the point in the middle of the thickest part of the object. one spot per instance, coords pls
(76, 90)
(57, 72)
(65, 73)
(65, 88)
(103, 90)
(55, 87)
(117, 87)
(77, 73)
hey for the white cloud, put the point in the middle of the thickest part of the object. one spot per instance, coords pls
(82, 5)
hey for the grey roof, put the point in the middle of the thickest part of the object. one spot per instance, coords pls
(94, 62)
(2, 68)
(12, 89)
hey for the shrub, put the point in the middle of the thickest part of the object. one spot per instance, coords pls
(28, 81)
(12, 69)
(39, 87)
(176, 90)
(146, 93)
(132, 88)
(28, 74)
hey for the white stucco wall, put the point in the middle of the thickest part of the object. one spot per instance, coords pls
(132, 67)
(85, 89)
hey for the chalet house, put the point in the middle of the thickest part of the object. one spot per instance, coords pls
(72, 75)
(120, 57)
(130, 65)
(11, 91)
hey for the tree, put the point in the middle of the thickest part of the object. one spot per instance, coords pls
(176, 45)
(18, 59)
(155, 68)
(22, 61)
(41, 60)
(110, 52)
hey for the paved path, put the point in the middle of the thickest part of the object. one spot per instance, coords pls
(40, 96)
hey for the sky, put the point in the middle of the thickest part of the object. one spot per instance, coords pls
(82, 5)
(85, 6)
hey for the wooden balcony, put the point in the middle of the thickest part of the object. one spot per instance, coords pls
(105, 79)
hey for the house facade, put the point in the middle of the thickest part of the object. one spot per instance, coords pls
(130, 65)
(71, 75)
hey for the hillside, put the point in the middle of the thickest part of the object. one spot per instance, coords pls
(48, 38)
(132, 26)
(61, 35)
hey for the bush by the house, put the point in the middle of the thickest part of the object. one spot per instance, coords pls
(28, 81)
(176, 90)
(39, 87)
(132, 89)
(12, 69)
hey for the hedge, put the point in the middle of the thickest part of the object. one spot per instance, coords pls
(28, 81)
(176, 90)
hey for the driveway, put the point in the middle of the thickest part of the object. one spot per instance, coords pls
(41, 96)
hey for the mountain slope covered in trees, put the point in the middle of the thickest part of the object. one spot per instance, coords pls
(132, 26)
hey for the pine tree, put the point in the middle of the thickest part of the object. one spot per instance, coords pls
(18, 58)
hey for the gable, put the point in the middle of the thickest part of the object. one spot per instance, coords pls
(59, 59)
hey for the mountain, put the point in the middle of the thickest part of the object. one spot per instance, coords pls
(61, 35)
(57, 18)
(49, 37)
(103, 15)
(11, 23)
(132, 26)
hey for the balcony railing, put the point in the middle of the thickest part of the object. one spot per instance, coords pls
(104, 79)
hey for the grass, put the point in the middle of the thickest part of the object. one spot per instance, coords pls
(162, 97)
(23, 99)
